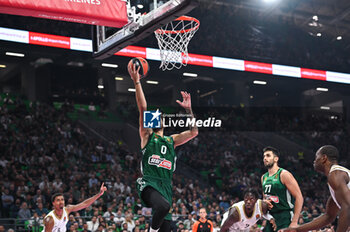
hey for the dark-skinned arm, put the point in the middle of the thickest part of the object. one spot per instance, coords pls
(319, 222)
(338, 180)
(233, 217)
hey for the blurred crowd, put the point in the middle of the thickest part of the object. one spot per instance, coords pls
(44, 152)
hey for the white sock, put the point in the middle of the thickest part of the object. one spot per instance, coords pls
(153, 230)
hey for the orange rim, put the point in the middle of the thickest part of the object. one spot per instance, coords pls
(183, 18)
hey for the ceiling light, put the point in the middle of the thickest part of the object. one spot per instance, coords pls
(319, 34)
(260, 82)
(2, 66)
(75, 63)
(14, 54)
(131, 90)
(152, 82)
(100, 86)
(190, 74)
(315, 18)
(325, 108)
(251, 96)
(322, 89)
(109, 65)
(140, 6)
(339, 38)
(269, 1)
(313, 24)
(119, 78)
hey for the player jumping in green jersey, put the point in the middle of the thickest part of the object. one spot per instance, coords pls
(282, 190)
(158, 159)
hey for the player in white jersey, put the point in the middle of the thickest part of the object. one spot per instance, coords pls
(57, 219)
(326, 162)
(244, 214)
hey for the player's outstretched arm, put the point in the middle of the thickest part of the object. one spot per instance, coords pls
(87, 202)
(141, 102)
(319, 222)
(338, 181)
(293, 187)
(187, 135)
(233, 217)
(49, 223)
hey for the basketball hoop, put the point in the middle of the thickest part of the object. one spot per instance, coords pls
(173, 40)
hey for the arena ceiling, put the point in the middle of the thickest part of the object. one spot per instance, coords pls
(333, 17)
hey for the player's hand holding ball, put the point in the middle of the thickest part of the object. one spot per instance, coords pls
(138, 68)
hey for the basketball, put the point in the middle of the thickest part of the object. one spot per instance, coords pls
(140, 62)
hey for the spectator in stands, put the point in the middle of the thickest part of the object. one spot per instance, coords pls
(216, 227)
(93, 224)
(29, 200)
(108, 213)
(39, 197)
(129, 222)
(35, 222)
(101, 228)
(24, 212)
(86, 228)
(130, 199)
(93, 180)
(119, 217)
(15, 208)
(224, 204)
(72, 228)
(71, 221)
(7, 200)
(189, 222)
(180, 226)
(40, 210)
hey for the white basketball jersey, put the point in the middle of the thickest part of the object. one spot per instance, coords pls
(245, 222)
(340, 168)
(59, 223)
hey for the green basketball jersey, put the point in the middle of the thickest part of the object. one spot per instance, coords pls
(158, 157)
(277, 192)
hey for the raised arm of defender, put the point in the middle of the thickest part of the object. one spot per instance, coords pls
(141, 102)
(187, 135)
(87, 202)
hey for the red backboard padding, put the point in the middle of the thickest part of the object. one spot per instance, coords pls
(97, 12)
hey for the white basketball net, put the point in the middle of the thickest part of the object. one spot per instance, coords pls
(173, 40)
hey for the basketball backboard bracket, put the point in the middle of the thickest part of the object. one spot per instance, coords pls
(138, 27)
